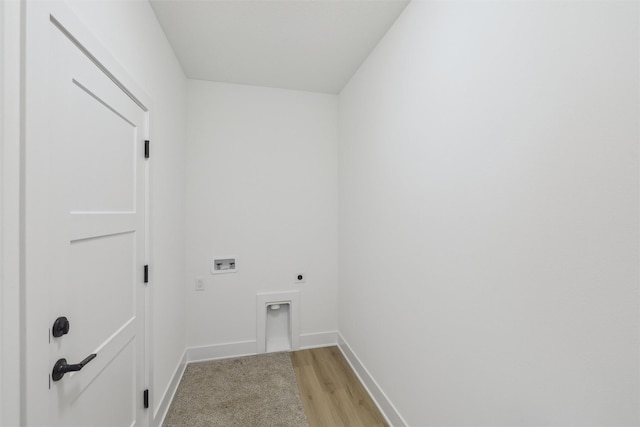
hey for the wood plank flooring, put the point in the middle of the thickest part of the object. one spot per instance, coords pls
(331, 393)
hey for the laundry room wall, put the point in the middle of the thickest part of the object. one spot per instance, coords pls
(489, 213)
(262, 187)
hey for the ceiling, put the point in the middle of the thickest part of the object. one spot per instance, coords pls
(311, 45)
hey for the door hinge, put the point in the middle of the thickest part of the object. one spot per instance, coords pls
(146, 149)
(145, 398)
(146, 274)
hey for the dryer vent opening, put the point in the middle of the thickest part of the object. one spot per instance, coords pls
(278, 331)
(277, 316)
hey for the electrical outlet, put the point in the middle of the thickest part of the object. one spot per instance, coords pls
(300, 278)
(199, 284)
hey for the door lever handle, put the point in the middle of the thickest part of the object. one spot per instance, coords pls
(61, 367)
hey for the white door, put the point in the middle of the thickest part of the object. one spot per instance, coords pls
(95, 242)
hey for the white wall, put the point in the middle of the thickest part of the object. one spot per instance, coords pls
(261, 186)
(10, 321)
(2, 244)
(489, 213)
(130, 31)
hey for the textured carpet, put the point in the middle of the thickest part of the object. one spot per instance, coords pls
(246, 391)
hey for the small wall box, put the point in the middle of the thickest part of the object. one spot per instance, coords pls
(223, 265)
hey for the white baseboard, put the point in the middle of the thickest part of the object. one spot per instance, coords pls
(379, 397)
(221, 351)
(161, 411)
(248, 348)
(318, 339)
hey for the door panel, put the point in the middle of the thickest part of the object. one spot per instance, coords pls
(95, 240)
(108, 264)
(104, 144)
(80, 401)
(93, 225)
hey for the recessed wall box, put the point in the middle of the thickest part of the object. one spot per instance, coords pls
(222, 265)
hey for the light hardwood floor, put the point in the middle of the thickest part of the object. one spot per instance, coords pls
(331, 393)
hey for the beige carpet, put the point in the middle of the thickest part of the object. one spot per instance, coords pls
(246, 391)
